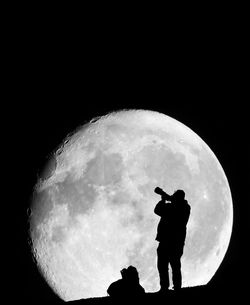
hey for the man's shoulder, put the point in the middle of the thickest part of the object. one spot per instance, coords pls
(186, 207)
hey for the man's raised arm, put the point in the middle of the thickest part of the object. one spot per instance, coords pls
(161, 209)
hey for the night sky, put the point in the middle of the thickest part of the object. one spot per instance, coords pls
(58, 91)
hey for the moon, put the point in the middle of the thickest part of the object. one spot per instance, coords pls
(92, 207)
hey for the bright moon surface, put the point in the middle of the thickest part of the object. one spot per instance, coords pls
(93, 208)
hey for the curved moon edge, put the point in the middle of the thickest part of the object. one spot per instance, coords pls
(73, 206)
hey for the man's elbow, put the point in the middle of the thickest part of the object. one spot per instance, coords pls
(157, 212)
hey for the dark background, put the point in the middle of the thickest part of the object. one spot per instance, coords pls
(63, 77)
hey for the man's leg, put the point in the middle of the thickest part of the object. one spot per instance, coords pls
(175, 262)
(162, 264)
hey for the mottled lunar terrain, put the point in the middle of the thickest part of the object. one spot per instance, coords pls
(92, 210)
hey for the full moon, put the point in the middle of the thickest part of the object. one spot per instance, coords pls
(92, 209)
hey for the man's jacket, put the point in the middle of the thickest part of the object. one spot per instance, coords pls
(172, 225)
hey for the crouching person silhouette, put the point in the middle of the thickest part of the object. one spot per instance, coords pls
(171, 234)
(128, 286)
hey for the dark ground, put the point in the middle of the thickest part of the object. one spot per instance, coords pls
(195, 295)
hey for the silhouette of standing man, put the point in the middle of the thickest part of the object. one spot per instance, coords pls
(171, 234)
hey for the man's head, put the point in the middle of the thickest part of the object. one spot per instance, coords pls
(179, 195)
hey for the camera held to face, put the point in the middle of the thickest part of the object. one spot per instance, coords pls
(160, 192)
